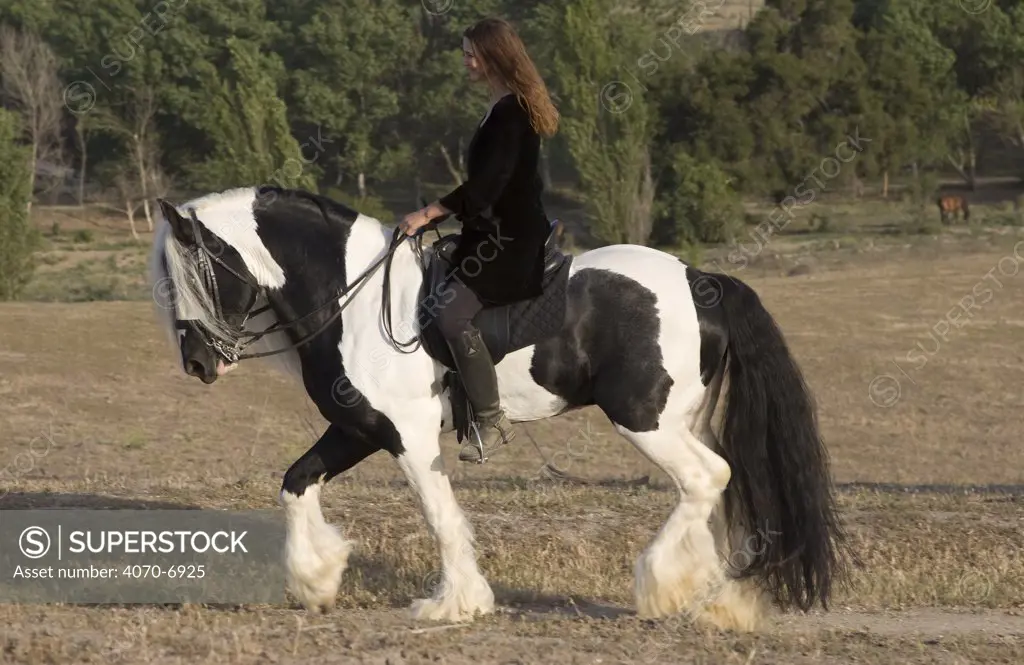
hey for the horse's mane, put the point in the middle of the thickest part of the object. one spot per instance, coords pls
(174, 271)
(176, 275)
(329, 208)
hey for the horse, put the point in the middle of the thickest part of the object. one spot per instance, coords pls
(952, 205)
(689, 367)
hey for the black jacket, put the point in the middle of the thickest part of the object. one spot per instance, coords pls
(501, 253)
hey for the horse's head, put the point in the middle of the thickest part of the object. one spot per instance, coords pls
(205, 286)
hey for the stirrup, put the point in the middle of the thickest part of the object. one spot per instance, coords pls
(479, 444)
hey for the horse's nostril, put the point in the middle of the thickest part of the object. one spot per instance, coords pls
(194, 368)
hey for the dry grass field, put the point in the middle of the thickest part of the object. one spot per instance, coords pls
(929, 460)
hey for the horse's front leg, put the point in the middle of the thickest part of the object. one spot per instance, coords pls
(462, 590)
(316, 554)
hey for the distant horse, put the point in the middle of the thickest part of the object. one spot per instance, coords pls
(952, 205)
(653, 342)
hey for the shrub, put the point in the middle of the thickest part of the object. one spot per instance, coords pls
(696, 203)
(18, 237)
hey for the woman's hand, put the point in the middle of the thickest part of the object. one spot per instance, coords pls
(415, 221)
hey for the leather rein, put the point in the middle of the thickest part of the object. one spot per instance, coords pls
(204, 263)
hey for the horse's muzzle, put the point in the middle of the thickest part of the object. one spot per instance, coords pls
(198, 369)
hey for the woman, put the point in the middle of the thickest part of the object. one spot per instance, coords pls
(500, 254)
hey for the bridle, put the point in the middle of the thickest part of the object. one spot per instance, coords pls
(232, 353)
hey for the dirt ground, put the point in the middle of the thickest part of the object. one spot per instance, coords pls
(922, 419)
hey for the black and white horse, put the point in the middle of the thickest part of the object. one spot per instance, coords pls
(688, 366)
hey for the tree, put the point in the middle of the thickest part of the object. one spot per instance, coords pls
(988, 48)
(439, 105)
(916, 108)
(606, 124)
(351, 55)
(206, 59)
(128, 197)
(768, 110)
(247, 122)
(30, 82)
(133, 124)
(703, 112)
(697, 203)
(1001, 100)
(807, 90)
(18, 238)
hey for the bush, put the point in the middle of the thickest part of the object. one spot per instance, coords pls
(924, 188)
(696, 203)
(18, 237)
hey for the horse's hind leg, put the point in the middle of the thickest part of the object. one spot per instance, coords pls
(316, 554)
(680, 571)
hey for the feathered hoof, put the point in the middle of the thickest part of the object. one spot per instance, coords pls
(455, 606)
(738, 607)
(315, 569)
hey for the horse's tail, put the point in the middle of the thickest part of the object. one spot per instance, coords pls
(780, 489)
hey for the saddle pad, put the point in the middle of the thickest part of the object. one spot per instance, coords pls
(533, 321)
(505, 328)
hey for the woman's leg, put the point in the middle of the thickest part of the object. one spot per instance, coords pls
(475, 369)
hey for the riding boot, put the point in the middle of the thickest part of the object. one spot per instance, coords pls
(475, 366)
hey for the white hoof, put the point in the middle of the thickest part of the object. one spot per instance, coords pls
(315, 555)
(455, 605)
(730, 605)
(739, 606)
(314, 575)
(663, 590)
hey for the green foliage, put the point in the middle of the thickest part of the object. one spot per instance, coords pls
(915, 104)
(770, 110)
(349, 62)
(18, 237)
(439, 105)
(247, 121)
(923, 189)
(239, 87)
(606, 124)
(697, 203)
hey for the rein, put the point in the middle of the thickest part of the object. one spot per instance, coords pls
(234, 353)
(385, 305)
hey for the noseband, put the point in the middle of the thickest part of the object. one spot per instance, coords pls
(233, 352)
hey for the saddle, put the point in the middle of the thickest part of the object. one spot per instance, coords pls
(503, 328)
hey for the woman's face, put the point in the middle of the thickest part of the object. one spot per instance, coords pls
(474, 68)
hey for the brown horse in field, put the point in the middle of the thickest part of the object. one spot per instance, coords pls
(951, 205)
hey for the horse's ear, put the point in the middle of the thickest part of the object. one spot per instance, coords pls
(180, 226)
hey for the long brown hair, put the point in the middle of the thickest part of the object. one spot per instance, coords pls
(503, 55)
